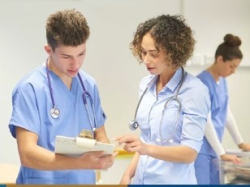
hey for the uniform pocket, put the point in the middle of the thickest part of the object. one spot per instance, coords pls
(168, 127)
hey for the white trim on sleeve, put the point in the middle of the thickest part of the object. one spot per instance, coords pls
(212, 137)
(232, 127)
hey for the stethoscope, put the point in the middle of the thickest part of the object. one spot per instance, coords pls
(55, 112)
(133, 124)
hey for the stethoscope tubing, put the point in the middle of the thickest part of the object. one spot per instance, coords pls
(50, 87)
(134, 124)
(84, 94)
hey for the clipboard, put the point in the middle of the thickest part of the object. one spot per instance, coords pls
(77, 146)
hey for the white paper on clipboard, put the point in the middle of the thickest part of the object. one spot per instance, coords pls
(77, 146)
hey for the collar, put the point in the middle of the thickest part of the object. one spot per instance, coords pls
(175, 80)
(171, 85)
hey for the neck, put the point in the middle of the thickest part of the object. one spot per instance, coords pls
(163, 79)
(214, 72)
(66, 79)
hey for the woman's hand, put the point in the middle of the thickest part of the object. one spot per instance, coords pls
(133, 144)
(231, 158)
(244, 147)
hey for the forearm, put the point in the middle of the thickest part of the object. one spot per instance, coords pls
(130, 171)
(233, 129)
(212, 137)
(100, 135)
(34, 156)
(180, 153)
(39, 158)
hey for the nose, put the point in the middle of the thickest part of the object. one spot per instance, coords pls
(146, 59)
(233, 71)
(74, 62)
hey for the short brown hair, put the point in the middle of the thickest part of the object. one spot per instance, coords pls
(67, 27)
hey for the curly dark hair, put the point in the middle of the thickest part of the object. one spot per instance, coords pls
(67, 27)
(229, 49)
(170, 34)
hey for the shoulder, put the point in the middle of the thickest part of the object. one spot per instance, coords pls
(203, 74)
(87, 79)
(195, 94)
(145, 81)
(32, 81)
(89, 82)
(206, 78)
(195, 85)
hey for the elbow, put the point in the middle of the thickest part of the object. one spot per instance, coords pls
(24, 157)
(190, 157)
(24, 160)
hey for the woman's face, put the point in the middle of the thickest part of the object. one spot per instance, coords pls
(228, 67)
(153, 59)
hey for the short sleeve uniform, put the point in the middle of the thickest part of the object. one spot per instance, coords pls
(31, 110)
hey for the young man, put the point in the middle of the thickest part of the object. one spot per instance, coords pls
(51, 100)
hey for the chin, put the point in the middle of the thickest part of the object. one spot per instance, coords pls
(72, 75)
(153, 73)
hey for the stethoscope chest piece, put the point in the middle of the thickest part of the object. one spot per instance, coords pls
(54, 112)
(133, 125)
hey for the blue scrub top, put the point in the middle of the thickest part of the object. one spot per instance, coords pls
(31, 110)
(219, 103)
(190, 128)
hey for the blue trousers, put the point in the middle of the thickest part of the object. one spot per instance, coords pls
(207, 169)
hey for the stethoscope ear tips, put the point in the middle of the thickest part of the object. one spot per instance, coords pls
(133, 125)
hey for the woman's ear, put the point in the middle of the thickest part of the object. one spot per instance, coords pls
(220, 59)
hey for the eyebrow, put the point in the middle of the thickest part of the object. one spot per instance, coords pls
(71, 55)
(151, 50)
(234, 64)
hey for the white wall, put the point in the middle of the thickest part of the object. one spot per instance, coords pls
(213, 19)
(109, 60)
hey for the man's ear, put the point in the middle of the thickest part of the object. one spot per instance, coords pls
(48, 49)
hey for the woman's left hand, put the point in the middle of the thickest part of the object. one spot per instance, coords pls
(133, 144)
(244, 147)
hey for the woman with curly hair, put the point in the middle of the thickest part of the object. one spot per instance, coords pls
(173, 106)
(227, 58)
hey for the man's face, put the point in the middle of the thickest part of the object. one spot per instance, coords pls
(66, 60)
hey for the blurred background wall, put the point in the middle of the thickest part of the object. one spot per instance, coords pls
(109, 60)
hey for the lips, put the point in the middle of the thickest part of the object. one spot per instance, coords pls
(150, 68)
(73, 71)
